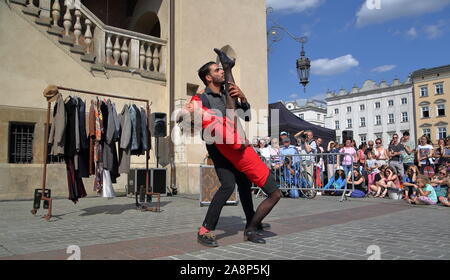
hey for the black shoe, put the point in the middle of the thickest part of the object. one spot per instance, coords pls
(208, 239)
(263, 226)
(253, 236)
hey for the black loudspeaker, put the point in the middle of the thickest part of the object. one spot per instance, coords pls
(158, 180)
(159, 125)
(136, 184)
(347, 134)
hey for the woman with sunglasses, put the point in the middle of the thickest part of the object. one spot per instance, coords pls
(381, 154)
(440, 184)
(424, 153)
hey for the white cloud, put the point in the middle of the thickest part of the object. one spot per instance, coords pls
(412, 32)
(384, 68)
(392, 9)
(293, 6)
(329, 67)
(294, 96)
(436, 30)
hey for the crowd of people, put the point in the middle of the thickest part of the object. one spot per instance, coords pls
(399, 170)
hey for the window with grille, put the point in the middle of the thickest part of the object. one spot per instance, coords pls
(427, 132)
(336, 125)
(349, 123)
(378, 120)
(404, 101)
(377, 105)
(363, 138)
(391, 118)
(336, 111)
(424, 91)
(439, 88)
(442, 132)
(349, 109)
(391, 103)
(362, 107)
(21, 143)
(405, 117)
(362, 122)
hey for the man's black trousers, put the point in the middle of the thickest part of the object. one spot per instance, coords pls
(228, 177)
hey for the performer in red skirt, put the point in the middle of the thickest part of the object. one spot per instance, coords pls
(234, 161)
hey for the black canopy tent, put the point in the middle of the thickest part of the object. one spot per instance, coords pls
(292, 124)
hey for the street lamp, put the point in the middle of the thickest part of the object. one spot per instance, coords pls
(303, 63)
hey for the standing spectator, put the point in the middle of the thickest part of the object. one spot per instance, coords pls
(362, 156)
(395, 151)
(272, 153)
(440, 184)
(310, 147)
(439, 154)
(289, 150)
(350, 158)
(320, 163)
(410, 182)
(408, 154)
(426, 193)
(380, 152)
(283, 135)
(332, 160)
(424, 153)
(261, 144)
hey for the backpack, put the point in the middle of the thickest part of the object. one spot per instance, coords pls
(358, 194)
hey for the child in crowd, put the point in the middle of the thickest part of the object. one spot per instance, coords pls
(409, 182)
(371, 167)
(426, 194)
(440, 184)
(338, 181)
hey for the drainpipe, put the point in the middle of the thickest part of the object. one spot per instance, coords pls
(173, 181)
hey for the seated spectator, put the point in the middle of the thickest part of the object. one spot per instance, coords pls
(410, 182)
(426, 194)
(440, 184)
(358, 182)
(439, 155)
(290, 177)
(272, 154)
(379, 185)
(337, 182)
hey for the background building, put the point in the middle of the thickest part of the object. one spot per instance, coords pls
(431, 97)
(312, 111)
(372, 111)
(148, 49)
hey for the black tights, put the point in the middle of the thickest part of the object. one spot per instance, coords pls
(267, 205)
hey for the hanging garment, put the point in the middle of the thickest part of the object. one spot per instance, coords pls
(83, 154)
(98, 149)
(110, 158)
(116, 136)
(125, 140)
(108, 190)
(145, 133)
(91, 139)
(75, 183)
(70, 149)
(57, 138)
(138, 146)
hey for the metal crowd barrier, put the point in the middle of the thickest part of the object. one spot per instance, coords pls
(306, 169)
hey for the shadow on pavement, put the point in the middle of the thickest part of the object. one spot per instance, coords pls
(235, 226)
(115, 209)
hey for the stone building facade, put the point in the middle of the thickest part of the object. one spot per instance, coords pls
(149, 49)
(372, 111)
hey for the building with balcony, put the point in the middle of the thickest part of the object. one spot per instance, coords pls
(372, 111)
(148, 49)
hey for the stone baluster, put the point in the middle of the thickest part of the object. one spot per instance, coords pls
(67, 20)
(116, 52)
(142, 56)
(156, 59)
(77, 27)
(109, 50)
(148, 57)
(44, 15)
(56, 15)
(88, 36)
(124, 53)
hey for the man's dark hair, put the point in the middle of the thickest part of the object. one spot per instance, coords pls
(204, 70)
(406, 133)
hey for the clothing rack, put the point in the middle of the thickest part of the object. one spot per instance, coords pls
(147, 155)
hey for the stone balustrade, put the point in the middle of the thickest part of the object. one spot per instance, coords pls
(106, 47)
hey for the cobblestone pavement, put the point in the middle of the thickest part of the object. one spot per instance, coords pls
(323, 228)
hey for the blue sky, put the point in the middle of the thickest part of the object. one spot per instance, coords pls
(350, 43)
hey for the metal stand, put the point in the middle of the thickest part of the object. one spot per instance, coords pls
(44, 175)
